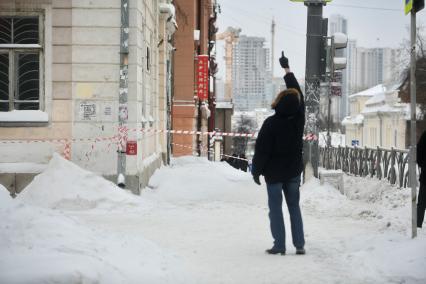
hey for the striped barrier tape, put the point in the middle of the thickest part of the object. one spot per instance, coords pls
(65, 142)
(237, 158)
(60, 140)
(308, 137)
(124, 131)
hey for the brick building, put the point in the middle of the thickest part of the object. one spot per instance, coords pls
(196, 21)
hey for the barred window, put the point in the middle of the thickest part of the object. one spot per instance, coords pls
(20, 53)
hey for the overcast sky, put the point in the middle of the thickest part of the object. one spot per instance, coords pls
(373, 23)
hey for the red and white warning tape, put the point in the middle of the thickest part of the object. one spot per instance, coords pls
(62, 140)
(189, 132)
(66, 142)
(310, 137)
(237, 158)
(121, 138)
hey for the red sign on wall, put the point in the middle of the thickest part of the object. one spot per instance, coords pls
(131, 148)
(203, 77)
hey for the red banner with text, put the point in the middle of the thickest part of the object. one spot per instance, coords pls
(203, 77)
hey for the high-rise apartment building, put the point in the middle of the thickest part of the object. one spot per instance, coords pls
(372, 66)
(250, 75)
(351, 66)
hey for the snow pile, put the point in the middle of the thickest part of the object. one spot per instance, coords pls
(64, 185)
(41, 244)
(324, 199)
(387, 204)
(365, 199)
(46, 246)
(193, 179)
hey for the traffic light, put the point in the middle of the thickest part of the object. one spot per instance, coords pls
(418, 5)
(414, 6)
(338, 41)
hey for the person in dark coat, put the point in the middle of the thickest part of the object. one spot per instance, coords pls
(243, 162)
(278, 157)
(234, 161)
(421, 161)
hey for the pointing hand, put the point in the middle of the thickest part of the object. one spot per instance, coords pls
(284, 61)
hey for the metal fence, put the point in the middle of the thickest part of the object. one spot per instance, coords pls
(391, 164)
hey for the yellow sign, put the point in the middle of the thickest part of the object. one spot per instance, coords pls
(408, 6)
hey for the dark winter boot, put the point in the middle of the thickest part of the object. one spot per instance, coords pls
(275, 251)
(300, 251)
(420, 216)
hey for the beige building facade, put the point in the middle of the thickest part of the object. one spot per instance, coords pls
(73, 51)
(378, 118)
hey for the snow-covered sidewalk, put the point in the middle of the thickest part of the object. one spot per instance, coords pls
(201, 222)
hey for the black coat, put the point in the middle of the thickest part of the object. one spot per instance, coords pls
(279, 144)
(421, 157)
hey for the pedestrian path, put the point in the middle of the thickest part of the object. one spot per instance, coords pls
(202, 222)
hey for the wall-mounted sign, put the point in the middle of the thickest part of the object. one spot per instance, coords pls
(408, 6)
(203, 77)
(131, 148)
(87, 111)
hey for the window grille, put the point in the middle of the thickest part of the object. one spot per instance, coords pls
(20, 53)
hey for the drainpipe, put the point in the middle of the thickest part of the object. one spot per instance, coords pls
(380, 115)
(199, 119)
(123, 92)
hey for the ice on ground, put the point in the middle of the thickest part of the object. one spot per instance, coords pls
(63, 185)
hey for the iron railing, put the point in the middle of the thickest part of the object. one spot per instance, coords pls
(390, 164)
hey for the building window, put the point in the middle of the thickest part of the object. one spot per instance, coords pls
(20, 57)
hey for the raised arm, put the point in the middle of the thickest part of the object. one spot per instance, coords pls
(291, 81)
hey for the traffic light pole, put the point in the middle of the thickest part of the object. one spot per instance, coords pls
(330, 79)
(314, 46)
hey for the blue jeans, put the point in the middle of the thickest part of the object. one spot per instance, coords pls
(275, 200)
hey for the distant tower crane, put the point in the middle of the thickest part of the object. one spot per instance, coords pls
(230, 36)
